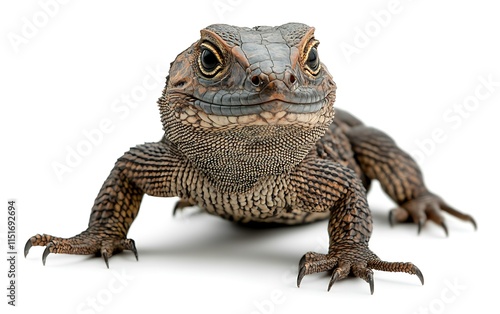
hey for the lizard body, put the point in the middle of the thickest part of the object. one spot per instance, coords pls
(251, 135)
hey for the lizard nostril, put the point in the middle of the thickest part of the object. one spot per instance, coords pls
(292, 79)
(255, 80)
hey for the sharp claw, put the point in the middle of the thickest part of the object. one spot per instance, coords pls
(134, 249)
(46, 253)
(301, 275)
(179, 205)
(419, 274)
(391, 218)
(420, 225)
(445, 228)
(371, 282)
(473, 223)
(334, 278)
(106, 259)
(27, 248)
(302, 270)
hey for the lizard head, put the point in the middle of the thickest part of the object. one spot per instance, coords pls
(248, 90)
(234, 77)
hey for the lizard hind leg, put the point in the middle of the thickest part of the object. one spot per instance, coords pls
(401, 178)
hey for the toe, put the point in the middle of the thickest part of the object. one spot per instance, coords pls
(364, 273)
(455, 213)
(398, 215)
(312, 263)
(433, 213)
(424, 208)
(339, 273)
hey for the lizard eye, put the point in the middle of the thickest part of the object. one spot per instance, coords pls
(209, 60)
(312, 59)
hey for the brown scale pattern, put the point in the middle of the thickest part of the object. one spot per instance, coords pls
(282, 163)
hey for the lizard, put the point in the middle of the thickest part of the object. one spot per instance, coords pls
(251, 135)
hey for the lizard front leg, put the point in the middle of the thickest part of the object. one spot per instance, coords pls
(322, 185)
(145, 169)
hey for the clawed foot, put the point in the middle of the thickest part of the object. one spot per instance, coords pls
(353, 258)
(425, 208)
(87, 242)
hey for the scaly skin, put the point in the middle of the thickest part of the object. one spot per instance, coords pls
(250, 136)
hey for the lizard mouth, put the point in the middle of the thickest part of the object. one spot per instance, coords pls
(277, 110)
(240, 104)
(274, 105)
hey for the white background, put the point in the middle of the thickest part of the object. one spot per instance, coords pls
(406, 78)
